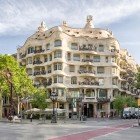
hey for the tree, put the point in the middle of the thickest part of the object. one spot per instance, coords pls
(119, 103)
(21, 84)
(130, 101)
(39, 99)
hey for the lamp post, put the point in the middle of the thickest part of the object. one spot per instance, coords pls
(82, 108)
(69, 100)
(54, 97)
(138, 93)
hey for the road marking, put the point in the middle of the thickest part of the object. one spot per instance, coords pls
(86, 135)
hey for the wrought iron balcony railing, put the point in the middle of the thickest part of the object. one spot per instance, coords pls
(87, 60)
(86, 71)
(39, 73)
(37, 62)
(89, 83)
(103, 99)
(39, 51)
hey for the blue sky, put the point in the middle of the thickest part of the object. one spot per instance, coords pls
(20, 19)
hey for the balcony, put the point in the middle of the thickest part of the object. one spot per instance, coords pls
(86, 71)
(114, 50)
(39, 73)
(37, 62)
(87, 60)
(39, 51)
(87, 48)
(49, 71)
(89, 83)
(22, 56)
(103, 99)
(123, 88)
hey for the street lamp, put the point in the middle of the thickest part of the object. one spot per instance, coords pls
(138, 93)
(54, 97)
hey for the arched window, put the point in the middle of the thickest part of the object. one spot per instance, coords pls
(73, 80)
(57, 43)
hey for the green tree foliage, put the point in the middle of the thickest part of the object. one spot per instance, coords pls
(12, 72)
(121, 102)
(39, 99)
(130, 101)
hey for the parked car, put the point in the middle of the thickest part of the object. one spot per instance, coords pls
(129, 113)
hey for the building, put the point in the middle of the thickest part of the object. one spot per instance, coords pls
(85, 66)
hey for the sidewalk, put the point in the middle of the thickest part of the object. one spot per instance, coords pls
(37, 122)
(64, 121)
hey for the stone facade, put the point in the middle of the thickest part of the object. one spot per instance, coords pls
(86, 66)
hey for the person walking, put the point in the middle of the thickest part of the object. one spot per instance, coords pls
(31, 117)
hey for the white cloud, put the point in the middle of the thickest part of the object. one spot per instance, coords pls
(19, 17)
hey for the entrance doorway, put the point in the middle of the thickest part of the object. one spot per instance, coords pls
(88, 110)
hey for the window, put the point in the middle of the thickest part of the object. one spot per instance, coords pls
(76, 57)
(101, 81)
(49, 69)
(68, 56)
(45, 59)
(29, 71)
(96, 58)
(29, 60)
(113, 59)
(57, 54)
(103, 93)
(114, 81)
(30, 50)
(113, 70)
(60, 92)
(58, 66)
(58, 79)
(101, 48)
(74, 46)
(112, 49)
(106, 59)
(71, 68)
(55, 79)
(57, 43)
(90, 93)
(50, 58)
(73, 80)
(48, 46)
(100, 70)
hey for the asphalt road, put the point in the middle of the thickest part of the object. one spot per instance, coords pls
(89, 130)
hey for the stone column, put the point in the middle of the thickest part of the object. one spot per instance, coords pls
(108, 109)
(95, 110)
(67, 109)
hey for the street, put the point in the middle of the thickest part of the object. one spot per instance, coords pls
(71, 130)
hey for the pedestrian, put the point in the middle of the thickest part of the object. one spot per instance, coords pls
(31, 117)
